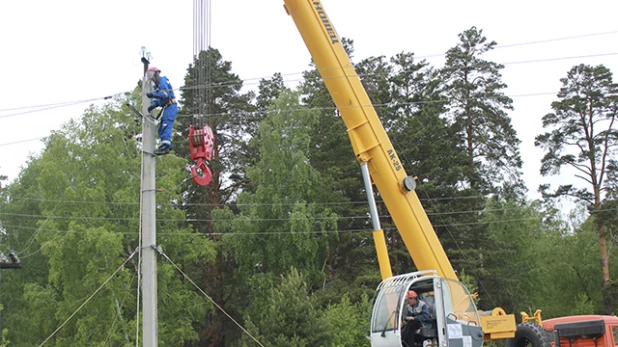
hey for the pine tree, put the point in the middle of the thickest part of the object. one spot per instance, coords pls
(478, 109)
(582, 136)
(477, 113)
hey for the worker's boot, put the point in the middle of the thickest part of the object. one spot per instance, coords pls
(163, 150)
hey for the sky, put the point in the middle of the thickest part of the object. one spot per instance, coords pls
(72, 50)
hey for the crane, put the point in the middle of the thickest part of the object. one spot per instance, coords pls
(457, 322)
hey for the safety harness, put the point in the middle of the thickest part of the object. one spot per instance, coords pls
(172, 101)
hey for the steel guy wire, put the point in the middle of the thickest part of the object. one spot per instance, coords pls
(90, 297)
(209, 298)
(44, 245)
(109, 334)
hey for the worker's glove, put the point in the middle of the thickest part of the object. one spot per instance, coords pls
(150, 108)
(149, 95)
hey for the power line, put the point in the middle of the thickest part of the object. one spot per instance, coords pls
(389, 104)
(392, 104)
(193, 220)
(242, 233)
(57, 105)
(189, 220)
(442, 54)
(40, 106)
(556, 39)
(20, 141)
(241, 204)
(242, 82)
(257, 219)
(259, 233)
(562, 58)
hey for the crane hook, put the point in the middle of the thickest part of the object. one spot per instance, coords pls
(201, 143)
(206, 176)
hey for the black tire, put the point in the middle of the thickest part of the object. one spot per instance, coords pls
(529, 335)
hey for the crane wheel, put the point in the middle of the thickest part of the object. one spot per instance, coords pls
(529, 335)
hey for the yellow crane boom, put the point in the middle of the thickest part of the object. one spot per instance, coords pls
(374, 149)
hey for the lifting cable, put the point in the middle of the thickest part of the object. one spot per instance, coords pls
(201, 138)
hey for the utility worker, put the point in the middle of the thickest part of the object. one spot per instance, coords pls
(416, 316)
(163, 96)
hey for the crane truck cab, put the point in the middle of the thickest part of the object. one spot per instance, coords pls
(455, 319)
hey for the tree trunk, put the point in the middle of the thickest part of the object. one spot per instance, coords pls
(607, 297)
(607, 300)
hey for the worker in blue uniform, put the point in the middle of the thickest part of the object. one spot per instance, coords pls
(163, 96)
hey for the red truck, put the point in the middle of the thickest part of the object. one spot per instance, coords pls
(570, 331)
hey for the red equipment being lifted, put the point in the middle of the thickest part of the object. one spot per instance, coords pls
(201, 143)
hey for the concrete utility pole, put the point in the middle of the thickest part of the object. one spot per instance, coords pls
(149, 227)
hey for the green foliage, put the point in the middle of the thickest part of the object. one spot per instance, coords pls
(287, 316)
(288, 319)
(283, 205)
(5, 338)
(570, 264)
(510, 258)
(348, 322)
(583, 305)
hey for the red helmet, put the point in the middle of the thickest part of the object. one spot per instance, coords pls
(411, 294)
(152, 72)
